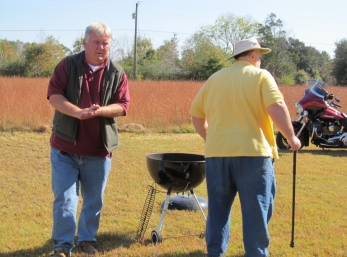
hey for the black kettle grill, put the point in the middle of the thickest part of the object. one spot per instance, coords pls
(175, 172)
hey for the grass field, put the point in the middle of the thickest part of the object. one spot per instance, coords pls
(26, 201)
(157, 106)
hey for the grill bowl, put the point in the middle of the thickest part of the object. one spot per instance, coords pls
(177, 172)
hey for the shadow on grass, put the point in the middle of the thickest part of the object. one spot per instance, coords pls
(193, 254)
(318, 151)
(196, 253)
(105, 242)
(30, 252)
(110, 241)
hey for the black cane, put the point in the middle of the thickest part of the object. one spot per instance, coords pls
(293, 201)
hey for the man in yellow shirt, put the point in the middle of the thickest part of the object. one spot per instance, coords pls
(234, 113)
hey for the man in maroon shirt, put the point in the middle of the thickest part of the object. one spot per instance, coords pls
(88, 92)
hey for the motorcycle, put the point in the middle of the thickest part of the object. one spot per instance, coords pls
(319, 120)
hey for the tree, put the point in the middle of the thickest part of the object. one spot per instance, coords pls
(7, 52)
(143, 46)
(12, 61)
(301, 77)
(167, 59)
(19, 48)
(326, 67)
(66, 50)
(340, 62)
(144, 54)
(41, 58)
(121, 48)
(279, 62)
(36, 58)
(296, 48)
(168, 52)
(306, 58)
(200, 58)
(78, 45)
(14, 68)
(229, 29)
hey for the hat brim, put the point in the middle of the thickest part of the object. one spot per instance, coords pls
(263, 51)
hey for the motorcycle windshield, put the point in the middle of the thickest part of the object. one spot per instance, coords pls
(319, 89)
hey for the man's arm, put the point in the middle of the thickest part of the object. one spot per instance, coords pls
(280, 115)
(60, 103)
(201, 126)
(110, 111)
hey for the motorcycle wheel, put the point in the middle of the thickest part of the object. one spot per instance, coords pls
(281, 142)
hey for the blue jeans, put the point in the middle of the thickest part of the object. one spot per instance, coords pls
(69, 172)
(254, 180)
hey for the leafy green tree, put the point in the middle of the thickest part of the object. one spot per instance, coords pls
(296, 47)
(316, 64)
(326, 68)
(211, 66)
(144, 55)
(7, 52)
(37, 60)
(14, 68)
(198, 53)
(310, 61)
(128, 65)
(229, 29)
(121, 48)
(41, 58)
(168, 53)
(279, 62)
(66, 50)
(157, 64)
(165, 61)
(301, 77)
(143, 49)
(12, 58)
(19, 48)
(78, 45)
(340, 62)
(149, 66)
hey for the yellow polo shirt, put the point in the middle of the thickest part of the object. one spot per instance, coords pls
(234, 101)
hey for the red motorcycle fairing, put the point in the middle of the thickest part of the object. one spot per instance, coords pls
(332, 113)
(312, 100)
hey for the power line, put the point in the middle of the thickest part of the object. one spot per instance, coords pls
(55, 30)
(82, 30)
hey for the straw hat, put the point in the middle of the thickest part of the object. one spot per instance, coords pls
(247, 45)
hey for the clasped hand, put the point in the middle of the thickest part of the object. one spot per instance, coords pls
(88, 113)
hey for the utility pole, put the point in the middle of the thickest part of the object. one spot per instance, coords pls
(135, 40)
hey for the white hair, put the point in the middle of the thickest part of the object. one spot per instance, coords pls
(99, 28)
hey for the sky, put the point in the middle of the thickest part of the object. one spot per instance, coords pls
(317, 23)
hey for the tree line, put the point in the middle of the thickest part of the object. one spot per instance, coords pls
(206, 51)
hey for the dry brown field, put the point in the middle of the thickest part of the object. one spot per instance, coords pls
(155, 105)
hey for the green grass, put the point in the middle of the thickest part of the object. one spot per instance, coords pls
(26, 201)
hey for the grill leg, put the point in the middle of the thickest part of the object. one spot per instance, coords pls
(197, 202)
(166, 204)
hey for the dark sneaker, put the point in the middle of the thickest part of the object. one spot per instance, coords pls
(87, 247)
(60, 252)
